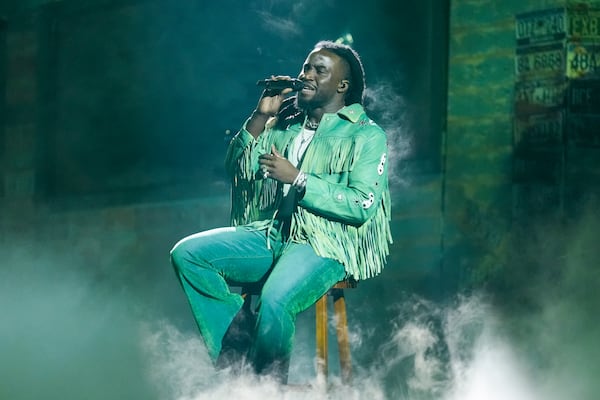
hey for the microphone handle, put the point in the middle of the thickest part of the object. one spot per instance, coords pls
(272, 84)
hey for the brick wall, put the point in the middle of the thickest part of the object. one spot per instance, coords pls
(479, 142)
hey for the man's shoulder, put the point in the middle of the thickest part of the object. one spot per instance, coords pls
(367, 127)
(360, 119)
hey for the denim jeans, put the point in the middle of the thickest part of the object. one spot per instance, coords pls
(295, 279)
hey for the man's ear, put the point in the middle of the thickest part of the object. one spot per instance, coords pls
(343, 86)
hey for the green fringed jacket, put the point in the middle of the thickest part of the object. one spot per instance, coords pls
(345, 211)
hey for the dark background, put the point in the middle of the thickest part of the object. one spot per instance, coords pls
(140, 98)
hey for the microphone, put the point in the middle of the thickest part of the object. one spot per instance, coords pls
(279, 85)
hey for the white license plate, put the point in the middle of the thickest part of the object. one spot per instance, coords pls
(539, 26)
(548, 60)
(540, 93)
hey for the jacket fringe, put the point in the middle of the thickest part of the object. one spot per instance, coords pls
(362, 250)
(341, 150)
(243, 190)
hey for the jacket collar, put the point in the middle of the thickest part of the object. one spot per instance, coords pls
(352, 112)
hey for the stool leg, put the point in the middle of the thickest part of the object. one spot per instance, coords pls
(321, 329)
(247, 296)
(339, 304)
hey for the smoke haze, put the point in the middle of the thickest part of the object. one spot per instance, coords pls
(64, 335)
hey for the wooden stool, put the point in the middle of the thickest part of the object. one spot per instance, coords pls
(341, 325)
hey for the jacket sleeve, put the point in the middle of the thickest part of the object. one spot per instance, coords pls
(239, 157)
(355, 199)
(241, 164)
(241, 160)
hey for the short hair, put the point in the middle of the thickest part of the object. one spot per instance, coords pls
(356, 91)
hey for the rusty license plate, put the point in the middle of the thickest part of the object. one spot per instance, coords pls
(536, 95)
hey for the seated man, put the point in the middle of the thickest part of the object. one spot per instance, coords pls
(310, 207)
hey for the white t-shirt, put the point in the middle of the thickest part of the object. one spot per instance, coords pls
(297, 150)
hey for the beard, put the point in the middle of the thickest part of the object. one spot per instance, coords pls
(300, 104)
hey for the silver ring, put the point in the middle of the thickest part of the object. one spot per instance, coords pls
(265, 174)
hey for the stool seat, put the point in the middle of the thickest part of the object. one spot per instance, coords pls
(340, 320)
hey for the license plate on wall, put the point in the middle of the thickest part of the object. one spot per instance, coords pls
(540, 61)
(536, 95)
(540, 26)
(584, 96)
(577, 22)
(537, 132)
(583, 60)
(584, 22)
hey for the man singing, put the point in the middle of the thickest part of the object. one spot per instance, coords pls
(310, 207)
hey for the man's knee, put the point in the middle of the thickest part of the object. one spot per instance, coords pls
(190, 247)
(191, 253)
(179, 256)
